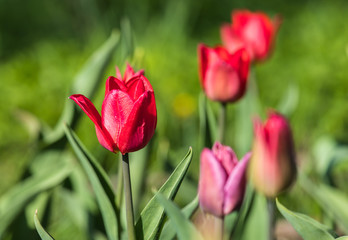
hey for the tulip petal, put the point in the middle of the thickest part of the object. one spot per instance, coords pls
(230, 39)
(87, 106)
(135, 87)
(226, 156)
(212, 180)
(116, 108)
(235, 186)
(113, 83)
(140, 124)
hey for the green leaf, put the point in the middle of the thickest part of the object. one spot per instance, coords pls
(168, 231)
(289, 101)
(151, 218)
(207, 123)
(100, 184)
(43, 234)
(307, 227)
(18, 197)
(85, 83)
(332, 201)
(184, 228)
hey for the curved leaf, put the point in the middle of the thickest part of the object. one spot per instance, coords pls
(151, 218)
(100, 184)
(307, 227)
(184, 228)
(42, 232)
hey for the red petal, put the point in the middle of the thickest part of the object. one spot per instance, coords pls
(140, 124)
(116, 108)
(135, 87)
(113, 83)
(88, 107)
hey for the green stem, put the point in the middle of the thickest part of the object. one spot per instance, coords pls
(128, 197)
(271, 218)
(219, 227)
(222, 123)
(119, 185)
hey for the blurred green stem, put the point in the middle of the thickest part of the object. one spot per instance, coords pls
(219, 227)
(271, 218)
(119, 185)
(222, 123)
(128, 197)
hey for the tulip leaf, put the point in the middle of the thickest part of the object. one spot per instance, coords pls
(207, 122)
(184, 228)
(168, 231)
(289, 102)
(100, 184)
(86, 82)
(42, 232)
(332, 201)
(12, 202)
(152, 216)
(307, 227)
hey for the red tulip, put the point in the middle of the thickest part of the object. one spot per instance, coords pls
(272, 166)
(254, 31)
(222, 180)
(128, 116)
(223, 75)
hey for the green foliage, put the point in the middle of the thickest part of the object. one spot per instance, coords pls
(307, 227)
(42, 232)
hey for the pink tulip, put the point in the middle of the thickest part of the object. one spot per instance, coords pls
(223, 75)
(272, 166)
(222, 180)
(254, 31)
(128, 116)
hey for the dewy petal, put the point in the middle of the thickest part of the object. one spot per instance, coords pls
(116, 108)
(212, 179)
(235, 186)
(113, 83)
(88, 107)
(140, 124)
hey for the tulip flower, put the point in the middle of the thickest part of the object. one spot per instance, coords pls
(128, 116)
(223, 75)
(272, 168)
(222, 180)
(254, 31)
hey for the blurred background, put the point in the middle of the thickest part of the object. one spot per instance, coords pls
(43, 44)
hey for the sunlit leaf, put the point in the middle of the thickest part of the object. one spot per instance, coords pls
(12, 202)
(184, 228)
(151, 218)
(42, 232)
(332, 201)
(307, 227)
(168, 231)
(100, 184)
(85, 83)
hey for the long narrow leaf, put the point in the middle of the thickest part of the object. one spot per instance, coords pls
(86, 82)
(14, 201)
(42, 232)
(151, 218)
(168, 231)
(100, 184)
(307, 227)
(333, 201)
(184, 228)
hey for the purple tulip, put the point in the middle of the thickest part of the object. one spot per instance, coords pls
(222, 180)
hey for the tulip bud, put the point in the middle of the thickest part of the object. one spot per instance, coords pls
(222, 180)
(272, 168)
(223, 75)
(254, 31)
(128, 116)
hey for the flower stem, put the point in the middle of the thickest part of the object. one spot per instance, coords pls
(128, 197)
(222, 123)
(219, 227)
(119, 184)
(271, 218)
